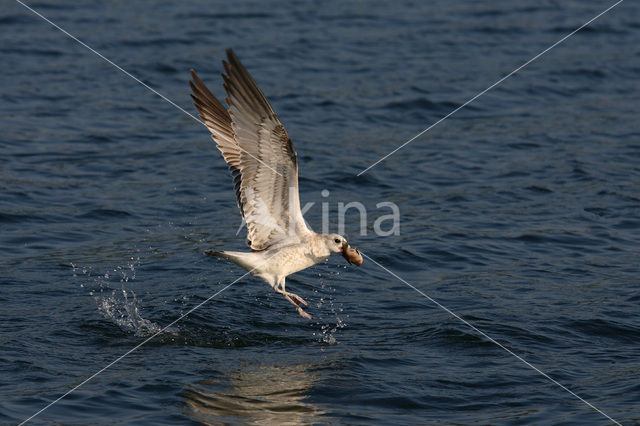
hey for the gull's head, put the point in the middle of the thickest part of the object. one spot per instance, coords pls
(335, 243)
(339, 244)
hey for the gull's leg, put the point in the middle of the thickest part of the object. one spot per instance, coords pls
(294, 296)
(290, 297)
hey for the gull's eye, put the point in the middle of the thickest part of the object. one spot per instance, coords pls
(337, 241)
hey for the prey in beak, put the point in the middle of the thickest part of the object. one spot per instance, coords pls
(351, 254)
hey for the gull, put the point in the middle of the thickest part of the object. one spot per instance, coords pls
(264, 167)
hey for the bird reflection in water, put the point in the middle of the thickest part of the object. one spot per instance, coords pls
(255, 395)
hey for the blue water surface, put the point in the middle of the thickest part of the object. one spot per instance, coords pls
(520, 213)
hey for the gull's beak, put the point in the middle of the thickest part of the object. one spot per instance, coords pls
(351, 254)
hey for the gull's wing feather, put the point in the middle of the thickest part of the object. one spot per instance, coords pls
(260, 155)
(218, 121)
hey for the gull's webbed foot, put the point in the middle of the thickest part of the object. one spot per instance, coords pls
(295, 300)
(298, 300)
(303, 314)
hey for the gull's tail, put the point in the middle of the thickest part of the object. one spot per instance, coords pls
(248, 260)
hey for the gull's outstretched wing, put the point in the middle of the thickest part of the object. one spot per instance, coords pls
(260, 155)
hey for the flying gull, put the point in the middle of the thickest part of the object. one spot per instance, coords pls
(264, 167)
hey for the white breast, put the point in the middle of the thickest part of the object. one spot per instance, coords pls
(293, 259)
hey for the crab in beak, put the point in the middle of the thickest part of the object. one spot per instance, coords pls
(351, 254)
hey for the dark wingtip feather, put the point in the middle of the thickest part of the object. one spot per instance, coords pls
(213, 253)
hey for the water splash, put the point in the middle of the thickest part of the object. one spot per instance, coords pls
(122, 308)
(328, 331)
(118, 305)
